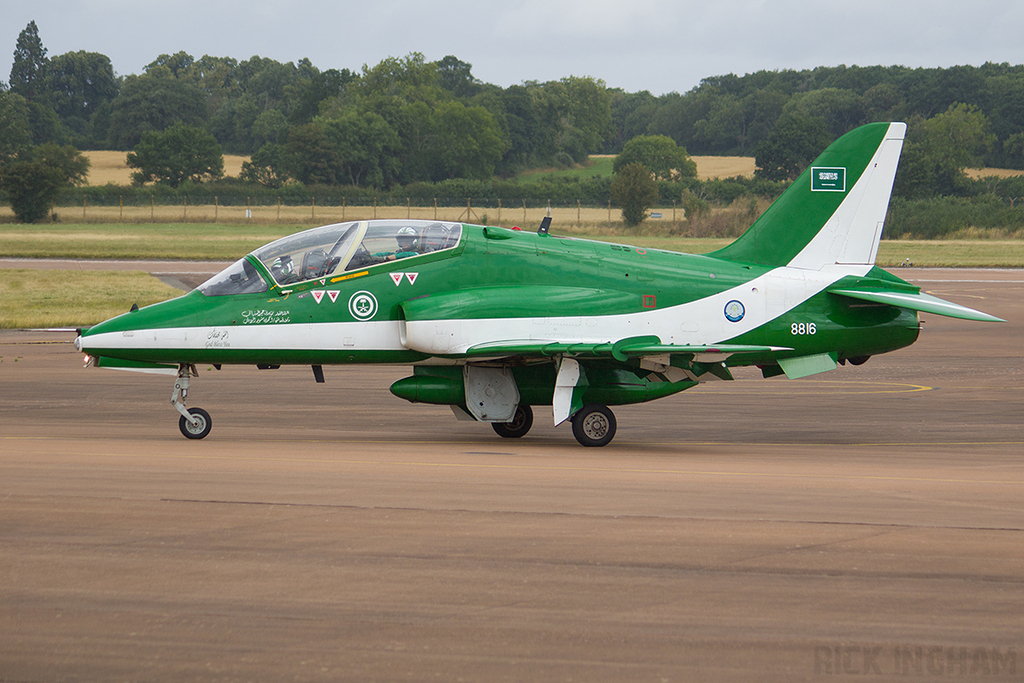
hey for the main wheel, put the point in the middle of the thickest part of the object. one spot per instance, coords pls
(593, 425)
(518, 427)
(198, 430)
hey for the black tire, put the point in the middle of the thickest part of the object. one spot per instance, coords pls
(518, 427)
(593, 425)
(199, 431)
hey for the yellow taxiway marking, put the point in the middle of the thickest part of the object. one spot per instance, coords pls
(804, 387)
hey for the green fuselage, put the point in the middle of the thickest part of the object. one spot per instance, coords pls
(537, 286)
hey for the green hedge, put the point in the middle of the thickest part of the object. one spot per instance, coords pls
(559, 191)
(939, 217)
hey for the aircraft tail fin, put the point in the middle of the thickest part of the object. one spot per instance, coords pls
(834, 212)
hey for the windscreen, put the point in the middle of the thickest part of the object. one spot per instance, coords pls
(321, 252)
(241, 277)
(308, 254)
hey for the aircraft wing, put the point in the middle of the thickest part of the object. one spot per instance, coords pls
(917, 301)
(705, 362)
(633, 347)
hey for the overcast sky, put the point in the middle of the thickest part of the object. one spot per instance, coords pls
(656, 45)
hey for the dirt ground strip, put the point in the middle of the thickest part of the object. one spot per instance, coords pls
(864, 523)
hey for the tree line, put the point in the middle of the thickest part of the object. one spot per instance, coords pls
(407, 120)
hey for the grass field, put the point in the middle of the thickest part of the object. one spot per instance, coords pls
(224, 242)
(34, 298)
(316, 214)
(601, 165)
(64, 298)
(109, 167)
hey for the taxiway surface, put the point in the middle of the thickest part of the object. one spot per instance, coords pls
(866, 521)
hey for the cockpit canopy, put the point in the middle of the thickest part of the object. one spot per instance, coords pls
(323, 251)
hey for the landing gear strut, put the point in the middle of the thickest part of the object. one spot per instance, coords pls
(593, 425)
(194, 423)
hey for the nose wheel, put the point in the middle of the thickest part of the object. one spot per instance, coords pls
(194, 423)
(197, 427)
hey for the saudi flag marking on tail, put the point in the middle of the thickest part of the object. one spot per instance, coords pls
(828, 179)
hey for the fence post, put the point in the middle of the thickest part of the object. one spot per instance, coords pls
(609, 213)
(152, 209)
(83, 207)
(499, 210)
(578, 220)
(279, 209)
(216, 207)
(184, 209)
(120, 211)
(408, 208)
(375, 207)
(312, 209)
(524, 212)
(435, 208)
(344, 205)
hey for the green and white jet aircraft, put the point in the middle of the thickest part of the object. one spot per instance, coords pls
(494, 321)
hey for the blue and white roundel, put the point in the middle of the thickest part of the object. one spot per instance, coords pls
(734, 311)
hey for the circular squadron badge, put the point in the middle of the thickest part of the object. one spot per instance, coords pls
(734, 311)
(362, 305)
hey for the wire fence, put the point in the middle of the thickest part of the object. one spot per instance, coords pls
(212, 209)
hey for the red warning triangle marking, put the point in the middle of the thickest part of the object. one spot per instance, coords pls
(318, 294)
(397, 277)
(411, 277)
(334, 295)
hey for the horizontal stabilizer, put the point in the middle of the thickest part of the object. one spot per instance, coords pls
(918, 301)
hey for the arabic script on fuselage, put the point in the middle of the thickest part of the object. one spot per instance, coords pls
(265, 317)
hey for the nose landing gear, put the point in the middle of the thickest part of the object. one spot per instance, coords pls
(194, 423)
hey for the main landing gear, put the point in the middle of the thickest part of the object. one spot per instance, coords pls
(194, 423)
(520, 424)
(593, 425)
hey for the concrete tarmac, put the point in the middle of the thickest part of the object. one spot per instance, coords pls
(863, 523)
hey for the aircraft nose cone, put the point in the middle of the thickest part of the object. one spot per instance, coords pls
(78, 343)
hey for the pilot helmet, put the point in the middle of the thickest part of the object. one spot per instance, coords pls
(407, 237)
(436, 237)
(282, 266)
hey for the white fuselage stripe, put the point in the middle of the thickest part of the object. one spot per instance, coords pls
(704, 321)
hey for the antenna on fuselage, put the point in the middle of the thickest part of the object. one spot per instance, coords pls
(545, 226)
